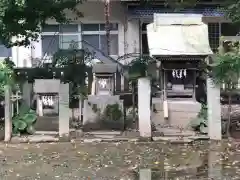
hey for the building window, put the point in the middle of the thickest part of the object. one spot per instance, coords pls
(95, 35)
(214, 35)
(55, 37)
(230, 29)
(5, 52)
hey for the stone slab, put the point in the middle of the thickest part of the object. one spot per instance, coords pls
(92, 140)
(34, 139)
(175, 132)
(104, 136)
(46, 85)
(104, 133)
(46, 133)
(173, 139)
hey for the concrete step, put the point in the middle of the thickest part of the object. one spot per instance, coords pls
(99, 133)
(174, 132)
(34, 139)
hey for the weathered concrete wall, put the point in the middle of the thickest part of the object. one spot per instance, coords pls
(91, 118)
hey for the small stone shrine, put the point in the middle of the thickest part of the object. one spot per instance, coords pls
(103, 95)
(52, 105)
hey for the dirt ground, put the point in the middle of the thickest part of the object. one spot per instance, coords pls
(109, 161)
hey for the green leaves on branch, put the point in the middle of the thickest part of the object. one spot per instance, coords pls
(138, 67)
(226, 68)
(6, 76)
(24, 121)
(26, 17)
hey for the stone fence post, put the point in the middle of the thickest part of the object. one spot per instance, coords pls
(214, 111)
(8, 114)
(144, 107)
(64, 111)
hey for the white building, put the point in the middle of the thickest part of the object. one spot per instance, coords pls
(128, 33)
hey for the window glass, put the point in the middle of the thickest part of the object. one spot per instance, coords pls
(50, 45)
(50, 28)
(229, 29)
(5, 52)
(113, 44)
(90, 27)
(93, 40)
(113, 27)
(69, 41)
(66, 28)
(213, 35)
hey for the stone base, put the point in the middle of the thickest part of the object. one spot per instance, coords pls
(64, 138)
(34, 139)
(181, 112)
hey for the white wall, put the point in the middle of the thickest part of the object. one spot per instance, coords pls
(93, 12)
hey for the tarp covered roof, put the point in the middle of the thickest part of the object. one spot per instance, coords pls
(178, 34)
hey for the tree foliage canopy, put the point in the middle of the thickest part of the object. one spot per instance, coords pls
(226, 68)
(25, 18)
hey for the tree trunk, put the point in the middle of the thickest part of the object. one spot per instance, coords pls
(107, 24)
(229, 114)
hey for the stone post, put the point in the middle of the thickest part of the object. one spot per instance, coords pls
(145, 174)
(64, 111)
(39, 106)
(214, 111)
(144, 108)
(214, 161)
(8, 114)
(26, 93)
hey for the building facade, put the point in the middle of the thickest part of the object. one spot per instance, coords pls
(128, 31)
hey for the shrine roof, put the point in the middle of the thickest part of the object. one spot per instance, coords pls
(104, 68)
(178, 34)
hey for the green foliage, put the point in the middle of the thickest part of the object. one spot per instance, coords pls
(139, 67)
(24, 121)
(26, 17)
(113, 112)
(200, 122)
(6, 76)
(232, 10)
(74, 61)
(226, 67)
(203, 112)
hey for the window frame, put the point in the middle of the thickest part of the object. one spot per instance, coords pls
(59, 33)
(80, 33)
(102, 32)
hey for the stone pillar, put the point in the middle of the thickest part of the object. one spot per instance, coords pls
(214, 111)
(144, 108)
(26, 93)
(39, 106)
(214, 161)
(80, 108)
(8, 114)
(64, 111)
(145, 174)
